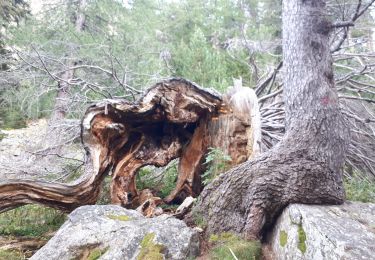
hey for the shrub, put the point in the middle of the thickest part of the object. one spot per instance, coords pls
(163, 183)
(143, 179)
(217, 162)
(169, 179)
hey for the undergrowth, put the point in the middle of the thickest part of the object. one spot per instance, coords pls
(228, 246)
(358, 188)
(30, 221)
(162, 183)
(216, 162)
(11, 255)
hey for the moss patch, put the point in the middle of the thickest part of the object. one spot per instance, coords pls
(97, 253)
(90, 252)
(283, 238)
(2, 135)
(225, 245)
(119, 217)
(301, 239)
(150, 250)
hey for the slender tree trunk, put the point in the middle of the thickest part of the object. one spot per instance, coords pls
(62, 98)
(306, 166)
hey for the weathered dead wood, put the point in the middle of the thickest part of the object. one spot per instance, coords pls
(174, 118)
(15, 193)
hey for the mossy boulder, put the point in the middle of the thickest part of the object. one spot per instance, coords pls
(124, 234)
(325, 232)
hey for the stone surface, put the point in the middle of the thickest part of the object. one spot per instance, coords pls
(117, 233)
(325, 232)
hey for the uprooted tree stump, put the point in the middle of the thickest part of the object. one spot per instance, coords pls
(174, 119)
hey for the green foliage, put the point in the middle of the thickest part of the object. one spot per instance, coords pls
(30, 220)
(150, 250)
(301, 239)
(358, 188)
(11, 118)
(170, 42)
(162, 185)
(199, 61)
(283, 238)
(21, 103)
(224, 243)
(169, 179)
(143, 180)
(216, 162)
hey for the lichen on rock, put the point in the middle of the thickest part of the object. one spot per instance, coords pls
(119, 217)
(301, 239)
(325, 232)
(97, 253)
(151, 250)
(283, 238)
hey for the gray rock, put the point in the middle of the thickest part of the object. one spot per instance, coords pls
(117, 233)
(325, 232)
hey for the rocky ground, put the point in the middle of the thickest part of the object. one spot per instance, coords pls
(306, 232)
(39, 152)
(36, 152)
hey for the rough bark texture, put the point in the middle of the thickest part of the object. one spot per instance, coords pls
(174, 118)
(306, 166)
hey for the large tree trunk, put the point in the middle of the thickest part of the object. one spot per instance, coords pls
(306, 166)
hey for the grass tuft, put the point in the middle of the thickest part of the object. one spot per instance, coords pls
(227, 244)
(359, 189)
